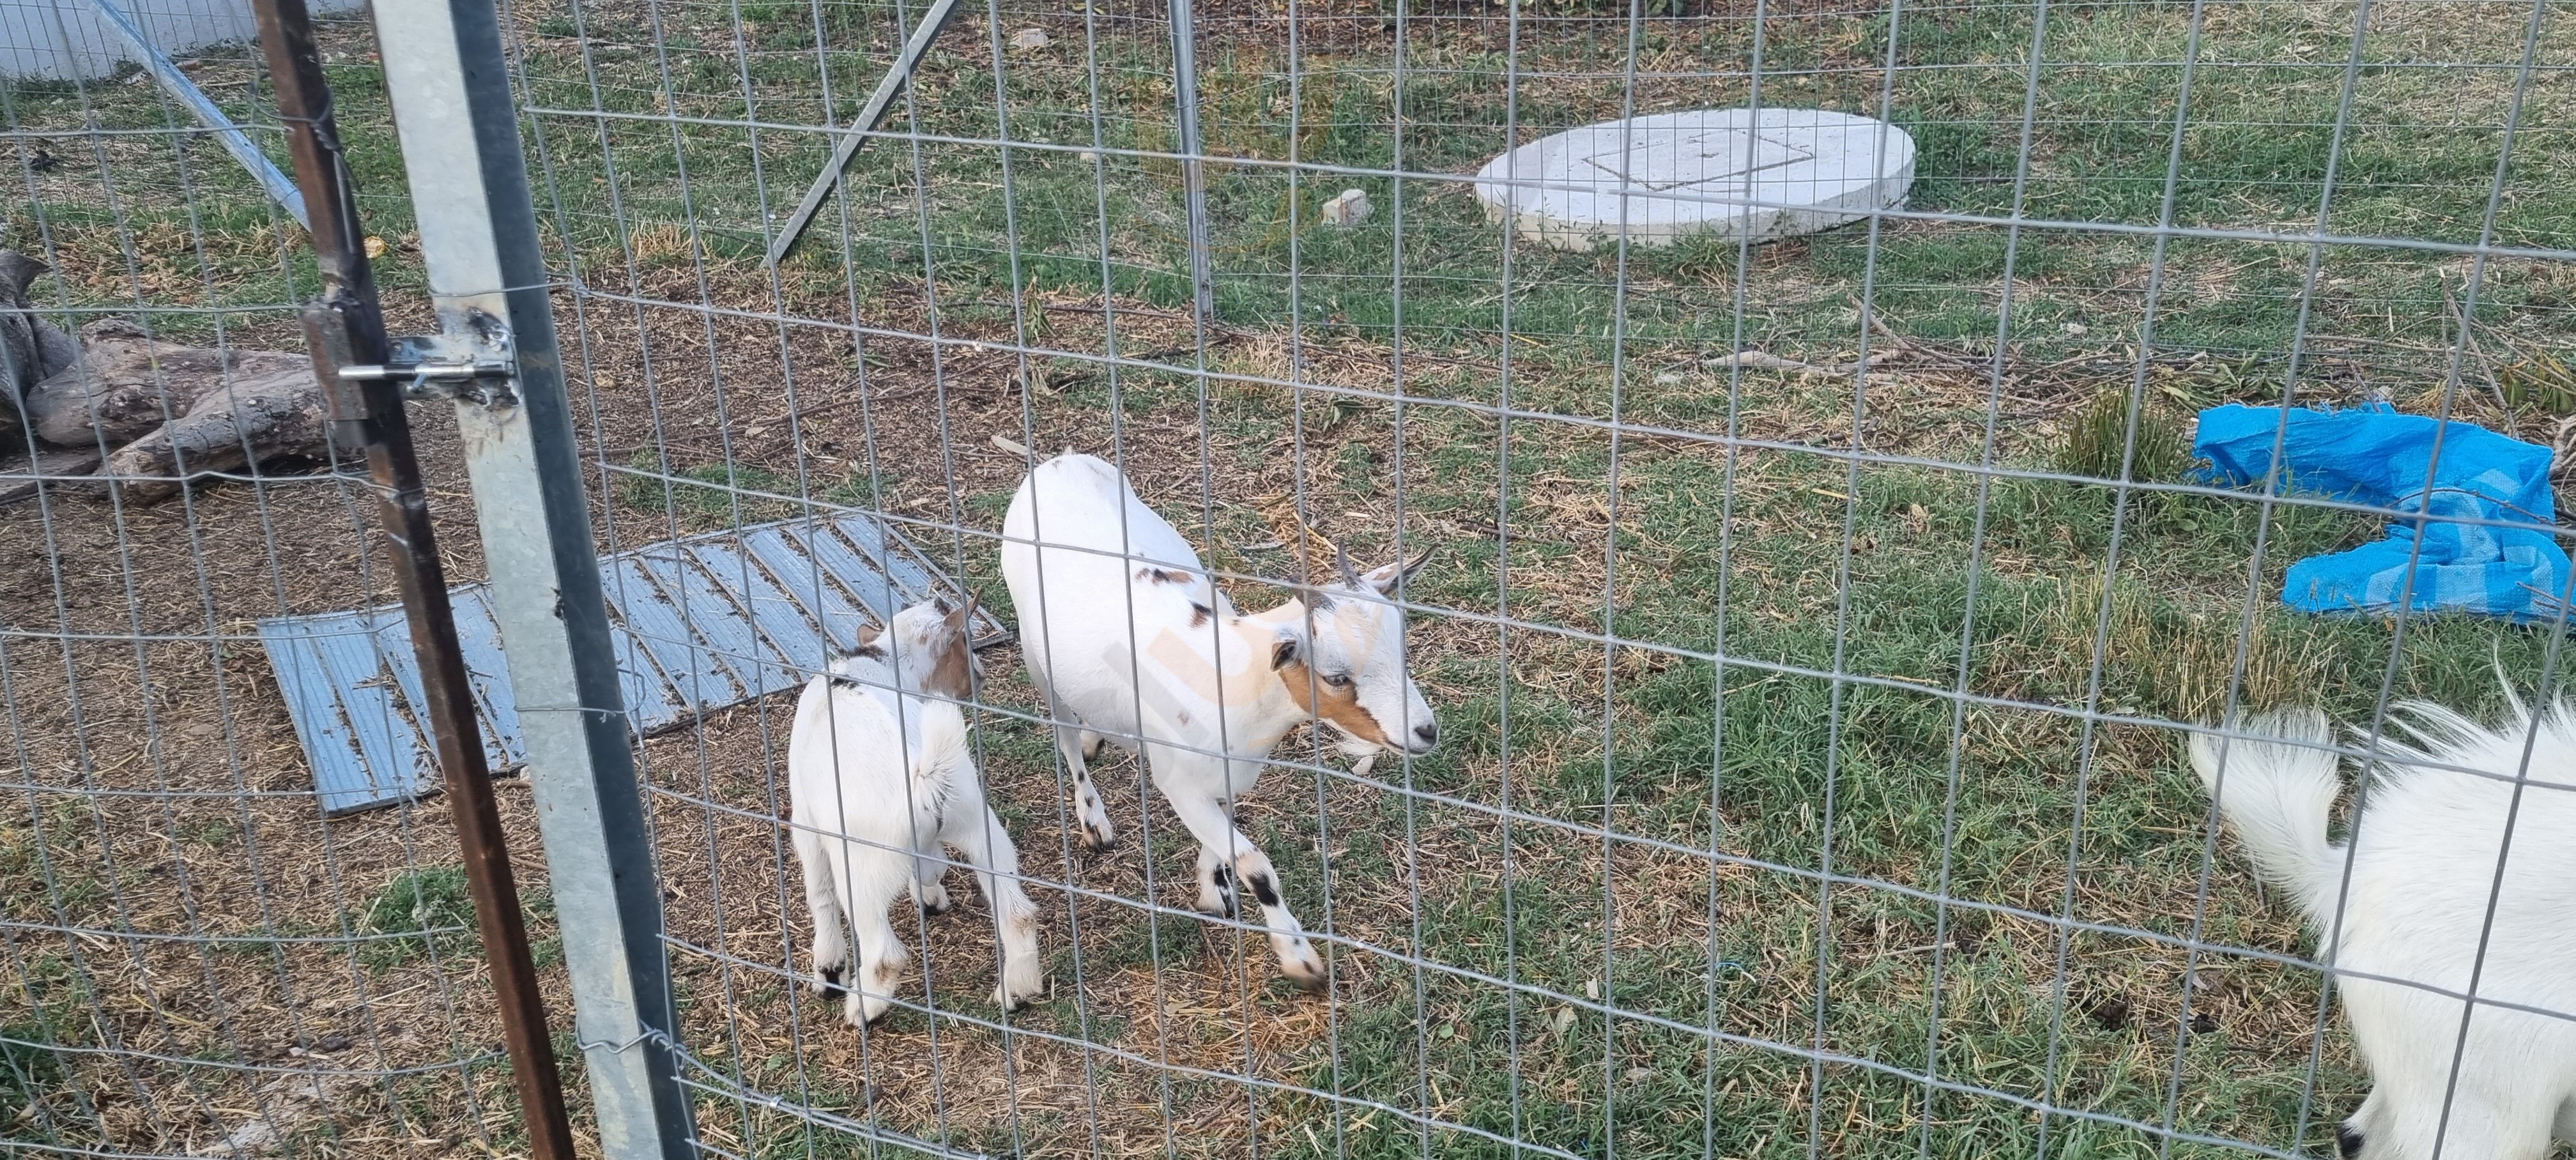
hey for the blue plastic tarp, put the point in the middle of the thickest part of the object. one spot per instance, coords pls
(2374, 455)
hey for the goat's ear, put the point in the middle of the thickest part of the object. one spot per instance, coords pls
(962, 617)
(1285, 651)
(869, 634)
(1384, 578)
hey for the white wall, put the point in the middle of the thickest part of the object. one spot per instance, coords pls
(67, 39)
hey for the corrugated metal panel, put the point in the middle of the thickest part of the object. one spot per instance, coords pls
(699, 624)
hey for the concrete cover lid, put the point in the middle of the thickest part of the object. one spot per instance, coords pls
(1770, 173)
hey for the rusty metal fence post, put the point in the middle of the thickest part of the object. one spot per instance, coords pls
(345, 331)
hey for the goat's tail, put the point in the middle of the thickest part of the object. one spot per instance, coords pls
(2276, 795)
(944, 751)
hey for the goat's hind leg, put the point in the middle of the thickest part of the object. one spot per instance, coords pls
(1079, 747)
(975, 833)
(831, 950)
(1216, 885)
(871, 879)
(2485, 1110)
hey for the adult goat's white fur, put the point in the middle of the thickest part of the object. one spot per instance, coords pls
(1128, 640)
(2424, 861)
(879, 780)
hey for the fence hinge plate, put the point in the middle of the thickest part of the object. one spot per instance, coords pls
(483, 370)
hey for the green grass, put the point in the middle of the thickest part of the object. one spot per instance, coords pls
(53, 998)
(419, 910)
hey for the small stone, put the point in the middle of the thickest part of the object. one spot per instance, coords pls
(1088, 157)
(2077, 329)
(1030, 38)
(1348, 208)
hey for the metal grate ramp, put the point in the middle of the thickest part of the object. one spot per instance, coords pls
(699, 624)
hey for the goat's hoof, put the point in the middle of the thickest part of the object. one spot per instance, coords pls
(829, 984)
(938, 903)
(1097, 840)
(1303, 967)
(868, 1013)
(1216, 896)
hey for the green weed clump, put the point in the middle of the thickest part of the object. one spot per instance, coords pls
(2098, 442)
(2160, 658)
(419, 909)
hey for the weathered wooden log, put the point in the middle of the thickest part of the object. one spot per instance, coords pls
(128, 383)
(258, 416)
(171, 413)
(30, 349)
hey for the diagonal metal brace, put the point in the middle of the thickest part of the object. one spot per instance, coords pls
(185, 91)
(909, 59)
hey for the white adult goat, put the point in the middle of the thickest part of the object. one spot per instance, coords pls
(1120, 621)
(2428, 864)
(878, 781)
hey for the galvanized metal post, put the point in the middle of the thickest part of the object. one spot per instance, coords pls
(458, 127)
(1185, 98)
(345, 329)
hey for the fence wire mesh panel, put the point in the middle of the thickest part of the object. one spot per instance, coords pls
(1809, 623)
(1809, 653)
(194, 958)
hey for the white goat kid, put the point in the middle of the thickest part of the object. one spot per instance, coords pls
(2424, 876)
(1126, 637)
(878, 781)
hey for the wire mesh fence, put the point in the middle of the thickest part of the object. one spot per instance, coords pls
(199, 961)
(1813, 630)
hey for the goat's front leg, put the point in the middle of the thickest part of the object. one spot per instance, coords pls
(926, 887)
(1223, 848)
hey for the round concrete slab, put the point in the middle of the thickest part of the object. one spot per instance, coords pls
(1770, 174)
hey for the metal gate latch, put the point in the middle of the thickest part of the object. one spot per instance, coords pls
(429, 368)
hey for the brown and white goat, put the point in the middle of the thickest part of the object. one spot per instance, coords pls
(880, 777)
(1129, 641)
